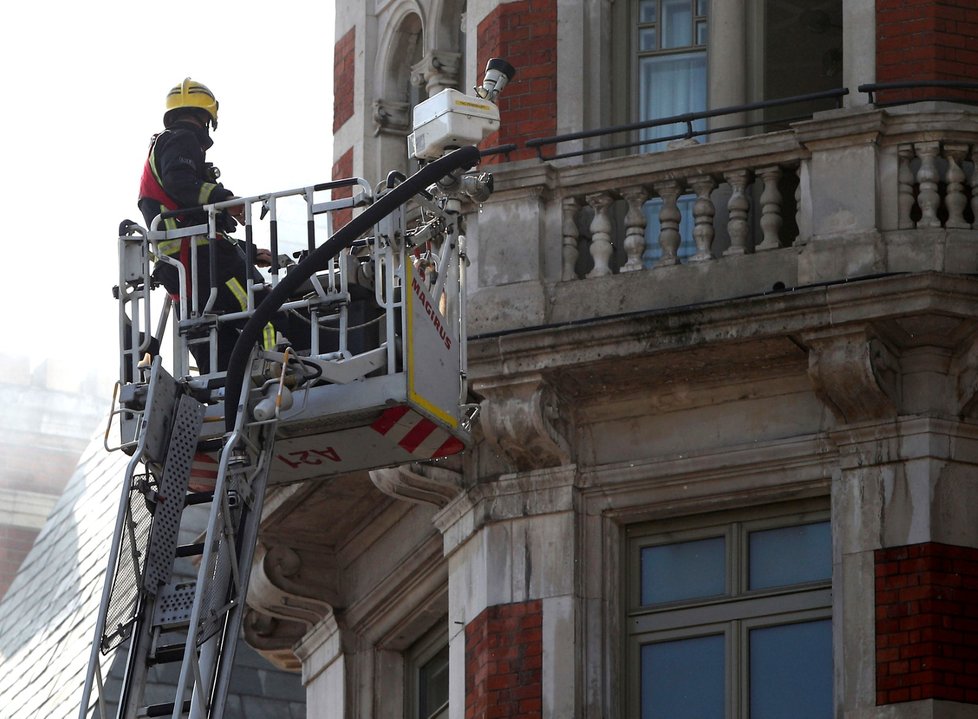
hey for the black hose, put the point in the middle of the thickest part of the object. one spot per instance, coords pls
(462, 158)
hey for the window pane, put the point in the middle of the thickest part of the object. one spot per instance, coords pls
(685, 570)
(683, 679)
(701, 33)
(646, 39)
(646, 11)
(701, 7)
(671, 85)
(791, 671)
(677, 23)
(433, 685)
(790, 555)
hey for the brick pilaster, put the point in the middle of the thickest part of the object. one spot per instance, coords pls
(503, 662)
(344, 63)
(926, 40)
(926, 623)
(342, 169)
(524, 33)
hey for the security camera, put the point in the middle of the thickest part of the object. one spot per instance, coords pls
(452, 119)
(498, 74)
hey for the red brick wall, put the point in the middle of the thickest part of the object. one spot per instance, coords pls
(342, 169)
(524, 33)
(503, 662)
(927, 623)
(344, 59)
(15, 543)
(926, 40)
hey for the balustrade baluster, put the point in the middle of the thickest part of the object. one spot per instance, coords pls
(703, 213)
(635, 223)
(669, 217)
(974, 185)
(737, 208)
(956, 201)
(927, 177)
(571, 234)
(770, 208)
(801, 239)
(905, 197)
(601, 247)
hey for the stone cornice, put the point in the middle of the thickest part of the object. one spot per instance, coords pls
(544, 349)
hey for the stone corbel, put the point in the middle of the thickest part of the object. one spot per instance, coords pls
(421, 483)
(284, 585)
(855, 374)
(274, 638)
(437, 71)
(288, 594)
(526, 420)
(391, 117)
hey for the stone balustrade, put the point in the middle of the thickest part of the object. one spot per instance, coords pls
(846, 194)
(746, 197)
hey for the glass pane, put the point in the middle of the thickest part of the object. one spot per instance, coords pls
(790, 555)
(671, 85)
(683, 679)
(646, 39)
(701, 7)
(685, 570)
(433, 685)
(701, 33)
(646, 11)
(791, 671)
(677, 23)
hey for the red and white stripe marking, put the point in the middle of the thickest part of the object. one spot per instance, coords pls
(415, 434)
(203, 471)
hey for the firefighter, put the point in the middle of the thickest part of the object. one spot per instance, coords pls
(176, 176)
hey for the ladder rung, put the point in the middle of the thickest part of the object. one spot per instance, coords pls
(198, 498)
(162, 710)
(211, 444)
(190, 550)
(167, 654)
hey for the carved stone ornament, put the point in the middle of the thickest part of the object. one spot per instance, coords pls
(391, 117)
(525, 419)
(282, 585)
(273, 638)
(437, 71)
(420, 483)
(855, 374)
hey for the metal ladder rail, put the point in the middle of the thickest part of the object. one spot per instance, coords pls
(148, 448)
(208, 675)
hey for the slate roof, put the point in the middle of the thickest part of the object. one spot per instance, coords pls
(47, 617)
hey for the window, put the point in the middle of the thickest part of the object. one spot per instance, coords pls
(670, 62)
(731, 617)
(428, 676)
(796, 49)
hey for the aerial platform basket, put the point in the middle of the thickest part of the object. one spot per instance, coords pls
(387, 419)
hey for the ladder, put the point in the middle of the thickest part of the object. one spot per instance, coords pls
(149, 613)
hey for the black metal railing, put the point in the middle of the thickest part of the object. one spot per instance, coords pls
(872, 88)
(686, 118)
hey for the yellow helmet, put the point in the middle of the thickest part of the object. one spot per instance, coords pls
(192, 95)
